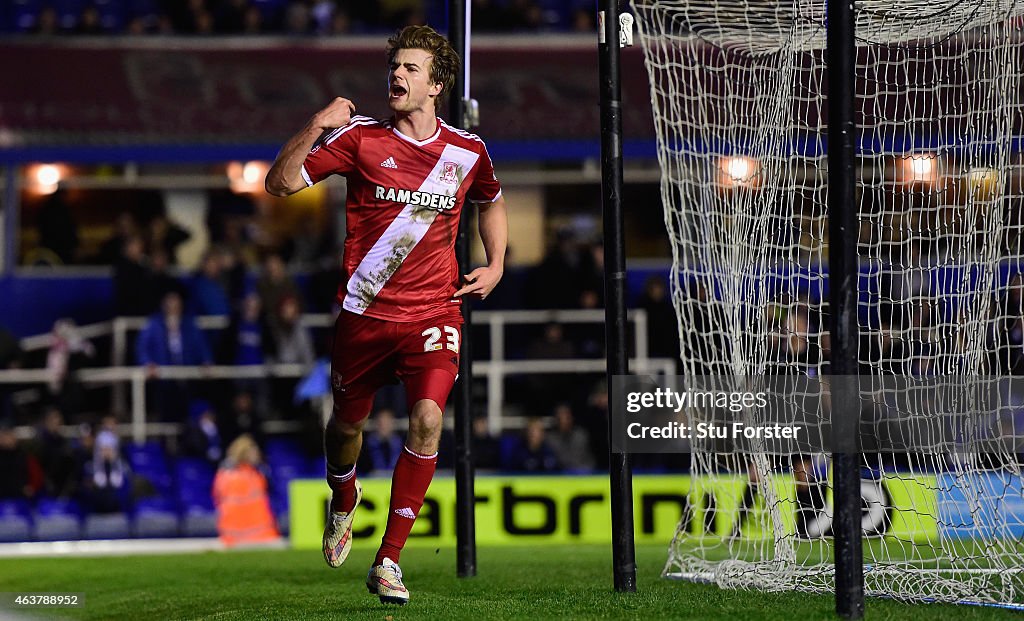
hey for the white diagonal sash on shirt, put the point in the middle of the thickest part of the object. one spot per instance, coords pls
(402, 235)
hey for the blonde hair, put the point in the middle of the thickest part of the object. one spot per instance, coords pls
(444, 64)
(243, 450)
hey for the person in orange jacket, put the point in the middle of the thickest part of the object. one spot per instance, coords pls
(240, 495)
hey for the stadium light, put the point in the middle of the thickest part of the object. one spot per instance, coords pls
(247, 177)
(920, 168)
(983, 182)
(45, 178)
(739, 170)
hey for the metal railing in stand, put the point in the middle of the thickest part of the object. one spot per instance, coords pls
(496, 369)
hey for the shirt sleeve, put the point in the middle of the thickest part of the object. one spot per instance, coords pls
(334, 154)
(485, 188)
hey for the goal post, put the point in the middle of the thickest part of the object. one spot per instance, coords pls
(740, 92)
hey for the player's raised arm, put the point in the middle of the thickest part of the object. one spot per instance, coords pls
(285, 176)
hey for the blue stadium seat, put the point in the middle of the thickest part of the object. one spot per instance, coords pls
(271, 9)
(15, 523)
(68, 12)
(112, 14)
(198, 518)
(190, 472)
(279, 504)
(194, 479)
(23, 14)
(155, 517)
(57, 519)
(144, 8)
(282, 449)
(150, 462)
(107, 526)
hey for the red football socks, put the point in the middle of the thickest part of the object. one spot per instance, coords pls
(344, 487)
(409, 484)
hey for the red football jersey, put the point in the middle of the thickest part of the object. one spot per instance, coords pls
(402, 213)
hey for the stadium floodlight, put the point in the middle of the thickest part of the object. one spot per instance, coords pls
(248, 177)
(938, 86)
(46, 178)
(920, 168)
(983, 182)
(739, 170)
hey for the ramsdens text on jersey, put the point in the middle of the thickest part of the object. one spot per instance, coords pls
(440, 202)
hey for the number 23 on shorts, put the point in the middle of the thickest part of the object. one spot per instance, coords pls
(434, 336)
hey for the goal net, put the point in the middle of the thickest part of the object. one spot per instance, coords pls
(740, 104)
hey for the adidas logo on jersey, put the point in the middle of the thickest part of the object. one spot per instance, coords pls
(389, 163)
(406, 512)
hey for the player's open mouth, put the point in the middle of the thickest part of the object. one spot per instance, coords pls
(397, 91)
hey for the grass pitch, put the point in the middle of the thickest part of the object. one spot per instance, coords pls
(539, 582)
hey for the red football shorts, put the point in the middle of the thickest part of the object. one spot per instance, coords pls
(369, 353)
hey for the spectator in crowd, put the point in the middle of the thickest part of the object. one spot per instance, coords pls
(244, 343)
(89, 22)
(324, 282)
(107, 480)
(83, 448)
(554, 283)
(662, 329)
(47, 22)
(486, 448)
(570, 443)
(125, 228)
(202, 436)
(10, 350)
(245, 415)
(55, 455)
(595, 422)
(533, 453)
(297, 18)
(106, 432)
(171, 338)
(382, 446)
(230, 16)
(240, 496)
(252, 22)
(304, 17)
(162, 281)
(58, 230)
(163, 234)
(487, 16)
(208, 295)
(305, 245)
(588, 338)
(68, 352)
(273, 286)
(10, 358)
(591, 274)
(133, 281)
(704, 345)
(292, 343)
(552, 345)
(21, 475)
(234, 275)
(583, 21)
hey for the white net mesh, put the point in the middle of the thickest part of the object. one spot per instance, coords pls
(739, 96)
